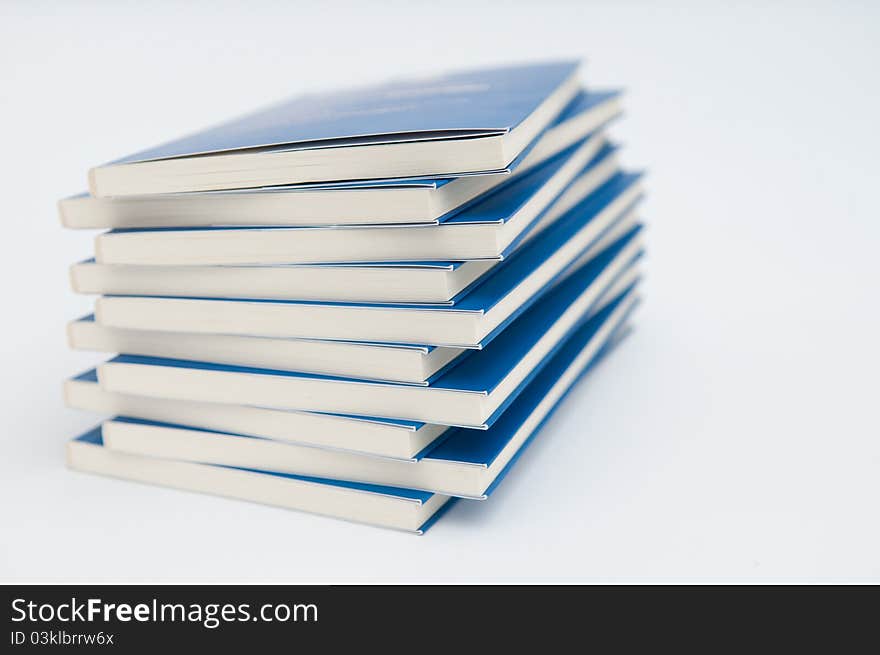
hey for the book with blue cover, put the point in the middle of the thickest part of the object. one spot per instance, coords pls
(385, 506)
(463, 463)
(507, 291)
(420, 200)
(485, 230)
(406, 282)
(380, 437)
(396, 362)
(471, 122)
(471, 393)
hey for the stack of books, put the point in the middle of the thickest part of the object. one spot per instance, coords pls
(362, 304)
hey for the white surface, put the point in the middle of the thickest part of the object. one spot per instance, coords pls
(734, 437)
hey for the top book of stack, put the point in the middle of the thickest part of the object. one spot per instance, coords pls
(478, 122)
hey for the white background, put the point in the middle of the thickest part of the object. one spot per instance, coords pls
(734, 436)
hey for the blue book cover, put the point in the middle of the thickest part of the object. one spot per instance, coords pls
(500, 206)
(585, 101)
(479, 102)
(481, 370)
(482, 448)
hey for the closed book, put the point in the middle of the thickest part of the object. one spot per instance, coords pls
(421, 200)
(407, 282)
(507, 291)
(396, 362)
(389, 507)
(382, 437)
(489, 229)
(472, 393)
(471, 122)
(464, 463)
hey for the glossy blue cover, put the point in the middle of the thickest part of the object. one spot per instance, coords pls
(87, 376)
(505, 277)
(585, 101)
(95, 437)
(482, 370)
(436, 516)
(489, 100)
(481, 447)
(502, 205)
(606, 349)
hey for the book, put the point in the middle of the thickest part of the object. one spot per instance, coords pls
(406, 282)
(490, 227)
(390, 507)
(410, 363)
(472, 393)
(470, 122)
(465, 463)
(381, 437)
(421, 200)
(508, 290)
